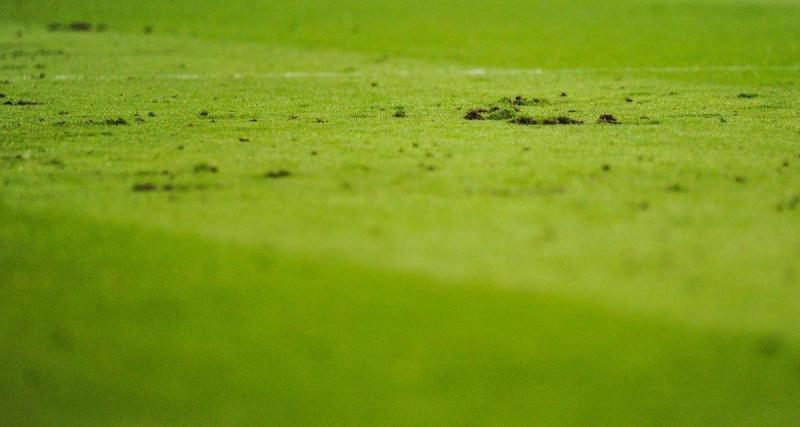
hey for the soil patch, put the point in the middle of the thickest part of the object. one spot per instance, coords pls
(278, 174)
(608, 119)
(561, 120)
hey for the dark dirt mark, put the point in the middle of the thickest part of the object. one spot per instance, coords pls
(740, 179)
(563, 94)
(562, 120)
(167, 188)
(244, 139)
(20, 103)
(321, 120)
(203, 113)
(645, 205)
(2, 95)
(77, 26)
(119, 121)
(520, 100)
(628, 100)
(475, 114)
(254, 120)
(770, 345)
(143, 187)
(292, 117)
(606, 167)
(147, 29)
(400, 112)
(374, 84)
(525, 120)
(180, 147)
(278, 174)
(791, 204)
(785, 163)
(205, 167)
(313, 153)
(748, 95)
(608, 119)
(675, 188)
(151, 114)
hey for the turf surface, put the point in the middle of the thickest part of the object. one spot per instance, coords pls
(277, 213)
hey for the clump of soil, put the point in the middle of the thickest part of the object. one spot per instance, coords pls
(748, 95)
(203, 113)
(20, 102)
(400, 112)
(119, 121)
(509, 109)
(676, 188)
(76, 26)
(520, 100)
(608, 119)
(475, 114)
(525, 120)
(143, 187)
(278, 174)
(561, 120)
(205, 167)
(790, 204)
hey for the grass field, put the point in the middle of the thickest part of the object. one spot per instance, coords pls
(277, 213)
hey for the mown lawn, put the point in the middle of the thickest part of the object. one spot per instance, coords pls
(278, 214)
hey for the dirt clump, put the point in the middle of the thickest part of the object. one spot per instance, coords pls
(675, 188)
(551, 121)
(205, 167)
(475, 114)
(76, 26)
(278, 174)
(20, 103)
(608, 119)
(119, 121)
(143, 187)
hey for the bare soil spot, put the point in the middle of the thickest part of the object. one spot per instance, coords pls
(277, 174)
(608, 119)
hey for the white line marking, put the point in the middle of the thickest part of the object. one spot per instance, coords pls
(468, 72)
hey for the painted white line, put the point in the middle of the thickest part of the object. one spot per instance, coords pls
(467, 72)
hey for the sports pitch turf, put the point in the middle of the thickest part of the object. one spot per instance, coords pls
(278, 214)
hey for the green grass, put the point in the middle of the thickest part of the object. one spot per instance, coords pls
(417, 270)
